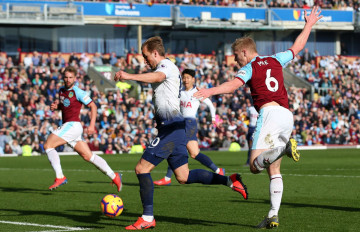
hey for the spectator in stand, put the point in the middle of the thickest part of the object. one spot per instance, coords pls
(15, 146)
(7, 149)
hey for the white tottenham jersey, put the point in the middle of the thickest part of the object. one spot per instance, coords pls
(166, 95)
(253, 115)
(189, 105)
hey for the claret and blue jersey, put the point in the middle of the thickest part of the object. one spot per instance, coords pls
(265, 78)
(71, 101)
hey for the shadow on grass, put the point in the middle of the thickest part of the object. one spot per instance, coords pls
(302, 205)
(86, 219)
(44, 191)
(91, 217)
(187, 221)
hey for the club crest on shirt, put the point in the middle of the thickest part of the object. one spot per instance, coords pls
(71, 94)
(66, 102)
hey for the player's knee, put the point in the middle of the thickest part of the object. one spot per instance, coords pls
(86, 158)
(274, 168)
(47, 146)
(254, 170)
(139, 169)
(181, 180)
(193, 154)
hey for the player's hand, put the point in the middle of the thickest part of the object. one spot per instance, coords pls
(120, 76)
(314, 15)
(202, 94)
(91, 130)
(54, 105)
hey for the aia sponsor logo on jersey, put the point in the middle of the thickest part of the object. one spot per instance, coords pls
(185, 104)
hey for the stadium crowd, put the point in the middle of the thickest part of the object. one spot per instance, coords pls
(305, 4)
(125, 123)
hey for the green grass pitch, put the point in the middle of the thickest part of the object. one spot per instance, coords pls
(321, 193)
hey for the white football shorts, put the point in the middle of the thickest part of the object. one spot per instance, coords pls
(71, 132)
(273, 127)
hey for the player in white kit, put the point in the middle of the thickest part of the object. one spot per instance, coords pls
(170, 144)
(189, 106)
(253, 115)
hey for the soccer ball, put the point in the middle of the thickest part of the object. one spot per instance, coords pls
(112, 205)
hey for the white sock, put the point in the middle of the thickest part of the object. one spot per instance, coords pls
(148, 218)
(229, 182)
(167, 178)
(268, 157)
(276, 190)
(54, 159)
(217, 171)
(102, 165)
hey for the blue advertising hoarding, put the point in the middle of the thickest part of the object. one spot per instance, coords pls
(222, 12)
(164, 11)
(298, 15)
(127, 10)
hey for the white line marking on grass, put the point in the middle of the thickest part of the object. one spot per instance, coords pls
(307, 175)
(63, 228)
(314, 175)
(71, 170)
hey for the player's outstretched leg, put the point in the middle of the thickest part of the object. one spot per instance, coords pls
(167, 179)
(291, 150)
(118, 181)
(207, 162)
(238, 185)
(101, 164)
(205, 177)
(104, 167)
(270, 156)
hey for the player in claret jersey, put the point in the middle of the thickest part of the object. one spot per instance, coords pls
(189, 106)
(263, 74)
(71, 100)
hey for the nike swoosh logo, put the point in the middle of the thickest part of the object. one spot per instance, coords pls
(144, 227)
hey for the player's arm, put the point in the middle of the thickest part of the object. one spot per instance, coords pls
(227, 87)
(212, 109)
(310, 21)
(153, 77)
(93, 114)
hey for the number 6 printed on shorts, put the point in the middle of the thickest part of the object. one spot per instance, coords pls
(270, 79)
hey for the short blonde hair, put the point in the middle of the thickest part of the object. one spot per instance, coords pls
(71, 69)
(244, 42)
(154, 43)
